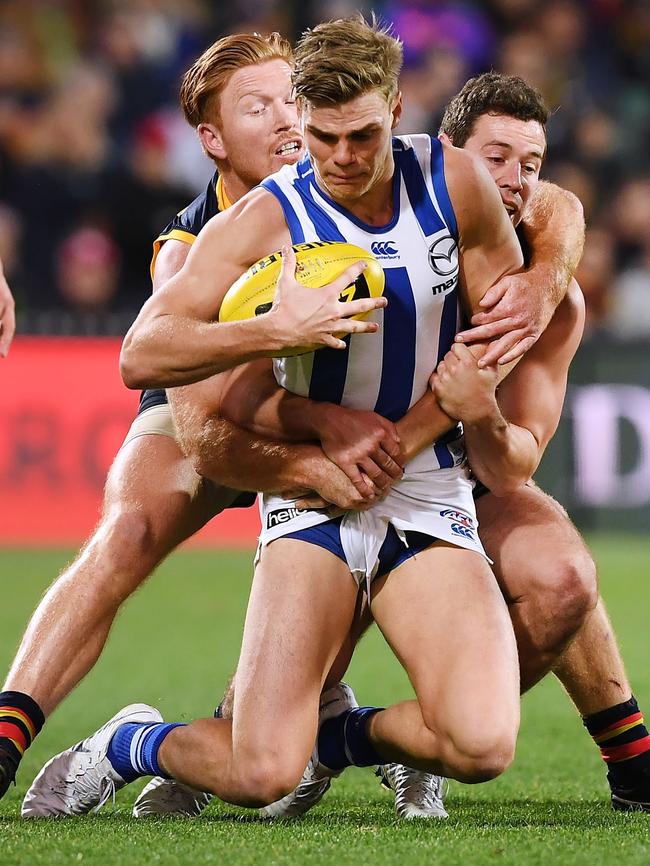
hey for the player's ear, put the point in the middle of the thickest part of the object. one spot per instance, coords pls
(211, 140)
(396, 109)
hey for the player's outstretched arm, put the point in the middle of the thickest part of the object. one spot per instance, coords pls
(176, 339)
(506, 433)
(7, 315)
(518, 308)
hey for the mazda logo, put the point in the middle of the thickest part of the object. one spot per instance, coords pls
(442, 256)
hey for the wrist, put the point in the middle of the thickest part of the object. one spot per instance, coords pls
(483, 414)
(311, 470)
(553, 274)
(322, 418)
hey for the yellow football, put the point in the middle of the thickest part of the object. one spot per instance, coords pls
(317, 264)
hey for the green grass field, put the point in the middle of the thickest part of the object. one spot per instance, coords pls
(176, 644)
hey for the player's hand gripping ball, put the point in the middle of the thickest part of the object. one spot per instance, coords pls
(317, 264)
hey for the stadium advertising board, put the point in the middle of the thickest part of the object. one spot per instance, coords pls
(65, 413)
(598, 464)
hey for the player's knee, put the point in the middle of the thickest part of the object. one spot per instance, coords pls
(571, 590)
(579, 584)
(128, 547)
(481, 755)
(268, 778)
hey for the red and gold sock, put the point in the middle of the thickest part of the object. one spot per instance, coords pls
(21, 719)
(622, 737)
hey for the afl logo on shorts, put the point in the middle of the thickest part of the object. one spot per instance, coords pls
(443, 256)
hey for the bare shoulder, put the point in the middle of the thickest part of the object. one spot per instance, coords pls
(169, 260)
(463, 171)
(251, 228)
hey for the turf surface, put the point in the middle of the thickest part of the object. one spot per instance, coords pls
(175, 645)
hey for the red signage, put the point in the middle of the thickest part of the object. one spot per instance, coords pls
(64, 413)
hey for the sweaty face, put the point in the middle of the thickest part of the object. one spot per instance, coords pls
(350, 144)
(513, 151)
(259, 122)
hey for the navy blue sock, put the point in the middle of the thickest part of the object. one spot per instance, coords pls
(133, 749)
(343, 741)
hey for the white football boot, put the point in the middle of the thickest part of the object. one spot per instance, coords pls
(417, 794)
(317, 777)
(168, 797)
(82, 777)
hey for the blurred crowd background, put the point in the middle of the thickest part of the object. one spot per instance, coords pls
(95, 157)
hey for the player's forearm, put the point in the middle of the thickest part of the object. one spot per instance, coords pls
(422, 425)
(231, 456)
(259, 405)
(502, 455)
(170, 350)
(555, 230)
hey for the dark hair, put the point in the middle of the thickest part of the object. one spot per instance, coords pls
(491, 93)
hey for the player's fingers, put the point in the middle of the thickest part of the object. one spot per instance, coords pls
(494, 294)
(462, 355)
(518, 350)
(484, 332)
(498, 349)
(361, 481)
(347, 278)
(392, 447)
(287, 265)
(362, 305)
(380, 479)
(355, 326)
(312, 502)
(389, 465)
(332, 342)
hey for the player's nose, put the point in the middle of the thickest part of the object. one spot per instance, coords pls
(344, 153)
(511, 178)
(285, 115)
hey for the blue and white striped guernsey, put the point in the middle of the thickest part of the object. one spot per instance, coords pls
(385, 372)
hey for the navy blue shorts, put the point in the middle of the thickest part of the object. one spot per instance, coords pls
(393, 551)
(152, 397)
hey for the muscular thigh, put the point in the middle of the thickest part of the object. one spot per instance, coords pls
(300, 611)
(446, 620)
(524, 534)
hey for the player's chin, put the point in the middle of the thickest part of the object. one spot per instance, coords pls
(514, 215)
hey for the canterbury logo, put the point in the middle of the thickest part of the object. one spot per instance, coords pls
(463, 531)
(384, 248)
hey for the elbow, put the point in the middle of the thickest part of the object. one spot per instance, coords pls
(504, 486)
(131, 371)
(510, 480)
(128, 370)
